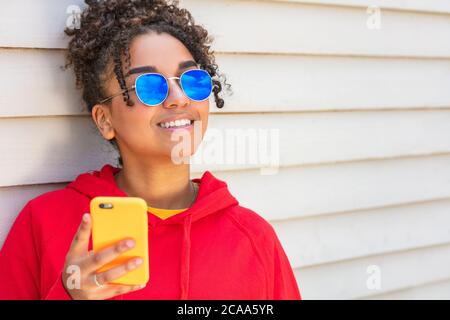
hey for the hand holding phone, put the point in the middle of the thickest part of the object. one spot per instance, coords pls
(80, 277)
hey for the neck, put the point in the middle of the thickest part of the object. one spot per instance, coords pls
(161, 185)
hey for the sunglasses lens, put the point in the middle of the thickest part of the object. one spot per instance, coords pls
(197, 84)
(151, 89)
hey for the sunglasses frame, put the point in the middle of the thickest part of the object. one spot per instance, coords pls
(133, 87)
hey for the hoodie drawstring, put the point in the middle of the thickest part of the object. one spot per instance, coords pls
(185, 257)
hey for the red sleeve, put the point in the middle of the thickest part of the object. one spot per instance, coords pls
(285, 285)
(20, 272)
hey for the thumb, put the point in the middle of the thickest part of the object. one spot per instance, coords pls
(80, 242)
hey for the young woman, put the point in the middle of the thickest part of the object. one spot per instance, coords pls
(146, 72)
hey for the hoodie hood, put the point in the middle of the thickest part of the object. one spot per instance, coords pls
(212, 197)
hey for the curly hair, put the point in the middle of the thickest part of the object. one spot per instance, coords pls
(106, 30)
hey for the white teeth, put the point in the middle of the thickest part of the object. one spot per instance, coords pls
(176, 123)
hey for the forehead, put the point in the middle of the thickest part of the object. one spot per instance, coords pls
(163, 51)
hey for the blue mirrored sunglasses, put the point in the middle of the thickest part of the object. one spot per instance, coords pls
(152, 89)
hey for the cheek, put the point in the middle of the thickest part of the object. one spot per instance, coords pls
(132, 125)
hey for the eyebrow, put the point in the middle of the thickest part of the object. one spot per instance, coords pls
(182, 65)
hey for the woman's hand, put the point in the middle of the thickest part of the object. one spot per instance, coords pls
(93, 285)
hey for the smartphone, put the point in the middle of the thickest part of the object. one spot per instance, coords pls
(117, 218)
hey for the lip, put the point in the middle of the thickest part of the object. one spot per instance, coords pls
(177, 117)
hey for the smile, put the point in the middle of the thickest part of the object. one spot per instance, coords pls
(177, 124)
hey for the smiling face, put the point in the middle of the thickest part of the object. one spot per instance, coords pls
(137, 129)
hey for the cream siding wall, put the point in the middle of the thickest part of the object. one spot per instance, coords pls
(364, 130)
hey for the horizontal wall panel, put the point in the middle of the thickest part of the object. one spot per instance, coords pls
(288, 28)
(64, 146)
(286, 83)
(316, 29)
(439, 290)
(399, 270)
(34, 84)
(335, 237)
(313, 138)
(35, 24)
(435, 6)
(50, 150)
(331, 188)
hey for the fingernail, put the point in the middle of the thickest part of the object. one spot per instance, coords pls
(130, 243)
(138, 261)
(142, 286)
(85, 217)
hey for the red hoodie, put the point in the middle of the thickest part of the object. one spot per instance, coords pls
(215, 249)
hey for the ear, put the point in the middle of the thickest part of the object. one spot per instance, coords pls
(102, 118)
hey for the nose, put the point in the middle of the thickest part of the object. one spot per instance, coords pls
(176, 97)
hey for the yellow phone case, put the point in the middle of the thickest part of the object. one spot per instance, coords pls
(120, 218)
